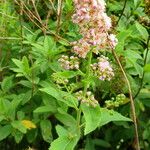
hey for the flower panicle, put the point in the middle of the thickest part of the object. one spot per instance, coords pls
(94, 25)
(103, 69)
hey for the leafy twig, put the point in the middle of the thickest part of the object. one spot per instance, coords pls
(145, 60)
(130, 96)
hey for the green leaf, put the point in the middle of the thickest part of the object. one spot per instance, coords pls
(64, 42)
(45, 109)
(18, 136)
(17, 62)
(136, 2)
(61, 131)
(18, 125)
(147, 68)
(133, 54)
(4, 106)
(25, 63)
(61, 96)
(31, 135)
(26, 96)
(101, 143)
(68, 4)
(111, 115)
(7, 83)
(64, 143)
(49, 43)
(5, 131)
(39, 47)
(66, 140)
(13, 106)
(2, 118)
(49, 100)
(65, 118)
(143, 32)
(122, 37)
(23, 67)
(89, 144)
(67, 74)
(46, 130)
(137, 69)
(92, 117)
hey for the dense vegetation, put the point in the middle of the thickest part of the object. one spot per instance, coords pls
(45, 104)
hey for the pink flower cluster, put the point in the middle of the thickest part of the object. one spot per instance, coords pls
(102, 69)
(94, 24)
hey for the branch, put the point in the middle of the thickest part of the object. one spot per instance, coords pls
(130, 96)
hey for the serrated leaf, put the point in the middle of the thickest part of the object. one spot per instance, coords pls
(143, 32)
(61, 96)
(17, 62)
(92, 117)
(122, 36)
(133, 54)
(5, 131)
(111, 115)
(25, 63)
(49, 43)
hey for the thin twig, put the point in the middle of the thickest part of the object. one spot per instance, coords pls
(131, 100)
(145, 60)
(59, 12)
(124, 6)
(21, 27)
(52, 5)
(47, 18)
(36, 11)
(33, 20)
(38, 16)
(130, 96)
(30, 15)
(8, 15)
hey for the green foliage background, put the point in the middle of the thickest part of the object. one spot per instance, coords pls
(29, 52)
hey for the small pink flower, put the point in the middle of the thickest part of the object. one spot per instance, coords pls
(113, 40)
